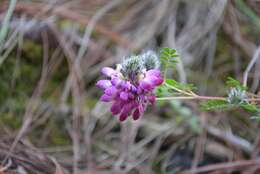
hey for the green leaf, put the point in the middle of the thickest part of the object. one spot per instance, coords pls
(168, 51)
(214, 105)
(178, 85)
(250, 108)
(168, 55)
(162, 91)
(233, 83)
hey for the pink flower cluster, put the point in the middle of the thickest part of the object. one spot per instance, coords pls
(129, 96)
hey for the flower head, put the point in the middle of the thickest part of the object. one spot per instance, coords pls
(130, 86)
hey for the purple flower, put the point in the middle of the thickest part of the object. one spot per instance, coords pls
(129, 95)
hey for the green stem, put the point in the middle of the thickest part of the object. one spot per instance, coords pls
(180, 91)
(165, 71)
(197, 97)
(191, 98)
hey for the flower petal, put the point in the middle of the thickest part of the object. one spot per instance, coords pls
(124, 95)
(106, 98)
(153, 80)
(146, 85)
(126, 111)
(136, 114)
(116, 81)
(103, 84)
(153, 72)
(116, 108)
(133, 89)
(107, 71)
(131, 96)
(123, 116)
(126, 85)
(111, 91)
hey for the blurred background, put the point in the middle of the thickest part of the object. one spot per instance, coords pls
(51, 119)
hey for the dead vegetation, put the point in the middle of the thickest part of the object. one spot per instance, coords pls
(52, 122)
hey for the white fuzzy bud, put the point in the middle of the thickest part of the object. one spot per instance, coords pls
(236, 96)
(151, 60)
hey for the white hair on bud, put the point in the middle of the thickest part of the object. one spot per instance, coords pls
(132, 66)
(150, 59)
(236, 96)
(136, 65)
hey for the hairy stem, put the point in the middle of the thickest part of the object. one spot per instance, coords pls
(198, 97)
(191, 98)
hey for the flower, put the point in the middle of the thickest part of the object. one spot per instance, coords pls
(130, 87)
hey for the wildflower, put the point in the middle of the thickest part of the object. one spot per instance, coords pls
(131, 84)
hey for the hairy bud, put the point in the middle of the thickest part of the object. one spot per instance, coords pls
(132, 66)
(236, 96)
(151, 60)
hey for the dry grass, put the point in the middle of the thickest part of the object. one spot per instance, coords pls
(63, 128)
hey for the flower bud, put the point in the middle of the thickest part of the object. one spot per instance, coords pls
(151, 60)
(236, 96)
(131, 67)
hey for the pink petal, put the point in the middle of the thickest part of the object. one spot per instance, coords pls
(116, 108)
(126, 85)
(124, 96)
(107, 71)
(103, 84)
(153, 72)
(116, 81)
(136, 114)
(145, 85)
(123, 116)
(106, 98)
(126, 111)
(155, 81)
(111, 91)
(131, 96)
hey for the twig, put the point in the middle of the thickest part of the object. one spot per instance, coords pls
(91, 24)
(235, 140)
(225, 166)
(32, 105)
(250, 65)
(8, 165)
(34, 8)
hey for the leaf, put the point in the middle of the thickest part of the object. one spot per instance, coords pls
(253, 109)
(250, 108)
(168, 51)
(214, 105)
(179, 85)
(162, 91)
(233, 83)
(168, 55)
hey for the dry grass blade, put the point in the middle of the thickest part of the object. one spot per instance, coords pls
(53, 122)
